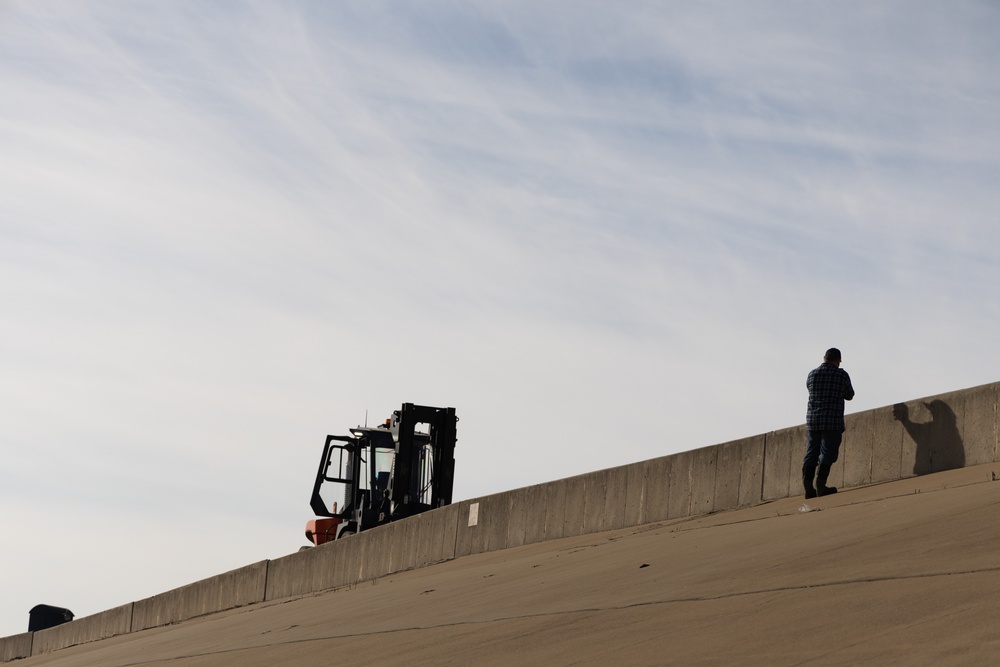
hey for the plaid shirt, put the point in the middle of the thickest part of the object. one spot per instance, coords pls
(828, 387)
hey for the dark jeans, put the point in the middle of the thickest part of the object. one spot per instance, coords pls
(822, 447)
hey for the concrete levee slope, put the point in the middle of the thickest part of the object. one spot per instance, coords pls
(908, 439)
(902, 573)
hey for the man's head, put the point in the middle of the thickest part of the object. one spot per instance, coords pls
(832, 356)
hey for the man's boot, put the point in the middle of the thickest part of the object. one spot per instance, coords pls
(807, 480)
(821, 488)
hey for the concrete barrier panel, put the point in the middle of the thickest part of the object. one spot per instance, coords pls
(382, 555)
(932, 441)
(703, 473)
(492, 524)
(752, 472)
(783, 452)
(391, 554)
(521, 499)
(536, 511)
(656, 493)
(388, 553)
(912, 415)
(887, 447)
(236, 588)
(728, 474)
(469, 526)
(407, 556)
(321, 568)
(350, 558)
(15, 647)
(856, 451)
(740, 473)
(467, 514)
(555, 510)
(436, 534)
(679, 494)
(575, 507)
(606, 493)
(979, 428)
(947, 430)
(595, 500)
(451, 517)
(498, 524)
(293, 574)
(341, 565)
(110, 623)
(635, 493)
(375, 555)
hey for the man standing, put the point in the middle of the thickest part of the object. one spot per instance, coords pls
(829, 386)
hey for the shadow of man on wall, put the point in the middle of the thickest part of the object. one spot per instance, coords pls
(939, 445)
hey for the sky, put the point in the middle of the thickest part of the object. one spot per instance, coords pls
(602, 232)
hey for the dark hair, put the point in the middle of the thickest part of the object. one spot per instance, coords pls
(833, 354)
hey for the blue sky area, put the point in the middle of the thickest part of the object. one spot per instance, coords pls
(603, 232)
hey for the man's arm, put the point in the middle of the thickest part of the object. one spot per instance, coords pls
(849, 389)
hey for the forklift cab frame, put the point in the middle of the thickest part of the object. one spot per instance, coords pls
(354, 473)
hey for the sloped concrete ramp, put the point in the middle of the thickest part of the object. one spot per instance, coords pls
(905, 572)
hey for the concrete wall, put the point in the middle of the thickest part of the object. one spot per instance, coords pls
(117, 621)
(226, 591)
(15, 647)
(918, 437)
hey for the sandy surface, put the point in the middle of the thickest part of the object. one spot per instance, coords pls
(900, 573)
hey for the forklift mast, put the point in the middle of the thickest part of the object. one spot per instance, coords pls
(377, 475)
(425, 461)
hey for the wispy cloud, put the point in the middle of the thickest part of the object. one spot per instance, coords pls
(603, 233)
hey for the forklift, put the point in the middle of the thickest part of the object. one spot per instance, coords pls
(376, 475)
